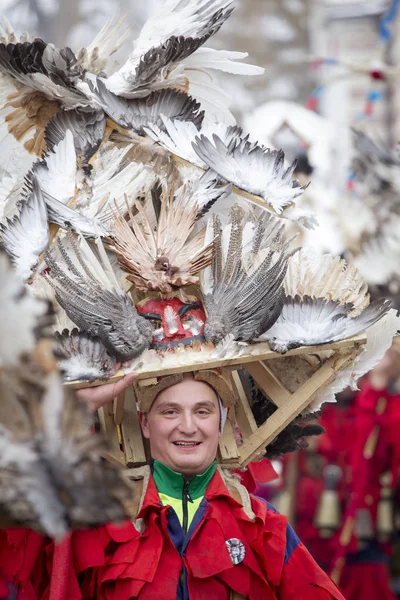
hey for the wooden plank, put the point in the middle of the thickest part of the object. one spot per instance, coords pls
(256, 443)
(244, 416)
(109, 428)
(269, 382)
(227, 444)
(118, 408)
(131, 432)
(263, 353)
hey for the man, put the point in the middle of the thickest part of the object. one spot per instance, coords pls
(198, 534)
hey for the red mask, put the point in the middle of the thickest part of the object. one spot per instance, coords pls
(174, 322)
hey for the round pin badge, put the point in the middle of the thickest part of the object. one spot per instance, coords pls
(236, 549)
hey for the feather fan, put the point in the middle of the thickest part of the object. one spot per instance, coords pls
(163, 259)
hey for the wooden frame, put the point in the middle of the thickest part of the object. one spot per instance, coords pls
(241, 441)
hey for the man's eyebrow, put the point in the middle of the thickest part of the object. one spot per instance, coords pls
(169, 404)
(207, 403)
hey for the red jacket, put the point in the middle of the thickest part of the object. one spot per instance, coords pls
(119, 563)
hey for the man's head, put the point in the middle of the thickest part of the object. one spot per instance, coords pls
(183, 426)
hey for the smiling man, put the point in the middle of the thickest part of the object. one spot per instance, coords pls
(197, 534)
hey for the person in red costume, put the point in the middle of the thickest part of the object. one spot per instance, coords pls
(198, 533)
(374, 461)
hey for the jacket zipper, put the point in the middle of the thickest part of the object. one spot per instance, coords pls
(185, 498)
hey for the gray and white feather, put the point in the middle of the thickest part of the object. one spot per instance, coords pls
(253, 168)
(26, 235)
(83, 357)
(89, 292)
(243, 290)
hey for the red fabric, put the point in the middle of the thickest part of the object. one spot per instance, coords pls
(117, 563)
(257, 473)
(364, 483)
(302, 578)
(366, 581)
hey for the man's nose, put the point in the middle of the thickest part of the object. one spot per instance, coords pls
(187, 423)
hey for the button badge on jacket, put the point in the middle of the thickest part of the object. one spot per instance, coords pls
(236, 549)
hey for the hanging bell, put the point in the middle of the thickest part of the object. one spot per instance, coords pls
(385, 517)
(364, 529)
(328, 514)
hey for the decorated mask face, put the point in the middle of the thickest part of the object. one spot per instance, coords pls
(174, 322)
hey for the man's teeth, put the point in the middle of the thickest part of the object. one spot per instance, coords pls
(186, 443)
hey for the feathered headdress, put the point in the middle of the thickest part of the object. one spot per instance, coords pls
(176, 254)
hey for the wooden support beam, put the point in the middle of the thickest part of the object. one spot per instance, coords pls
(118, 408)
(256, 443)
(109, 428)
(263, 353)
(268, 382)
(227, 444)
(244, 416)
(131, 432)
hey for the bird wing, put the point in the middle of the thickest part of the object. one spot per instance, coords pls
(83, 357)
(238, 300)
(326, 276)
(87, 127)
(189, 19)
(309, 321)
(26, 235)
(87, 289)
(253, 168)
(56, 173)
(137, 113)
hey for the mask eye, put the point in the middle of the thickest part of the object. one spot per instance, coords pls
(193, 324)
(158, 334)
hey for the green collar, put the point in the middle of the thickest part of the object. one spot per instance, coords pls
(171, 483)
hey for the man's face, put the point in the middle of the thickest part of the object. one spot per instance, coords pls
(183, 426)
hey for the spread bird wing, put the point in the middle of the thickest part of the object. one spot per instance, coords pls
(252, 168)
(89, 292)
(241, 300)
(87, 127)
(68, 218)
(168, 37)
(310, 321)
(326, 276)
(83, 357)
(56, 173)
(137, 113)
(189, 19)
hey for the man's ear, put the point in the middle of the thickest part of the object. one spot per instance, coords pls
(144, 424)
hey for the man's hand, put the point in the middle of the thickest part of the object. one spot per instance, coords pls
(96, 397)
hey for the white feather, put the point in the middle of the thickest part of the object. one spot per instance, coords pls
(171, 319)
(57, 175)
